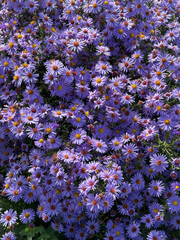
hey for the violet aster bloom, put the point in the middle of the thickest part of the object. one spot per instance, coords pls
(8, 218)
(156, 188)
(92, 227)
(138, 182)
(78, 136)
(148, 220)
(166, 123)
(112, 190)
(93, 203)
(54, 67)
(53, 208)
(103, 68)
(154, 234)
(8, 236)
(27, 216)
(130, 150)
(174, 204)
(158, 163)
(99, 146)
(176, 221)
(116, 144)
(76, 45)
(133, 230)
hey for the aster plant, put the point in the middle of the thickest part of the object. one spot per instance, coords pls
(89, 119)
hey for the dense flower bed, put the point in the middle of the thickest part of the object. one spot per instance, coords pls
(89, 119)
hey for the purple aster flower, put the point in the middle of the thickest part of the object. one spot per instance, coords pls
(29, 196)
(126, 64)
(166, 123)
(174, 204)
(176, 221)
(93, 203)
(154, 235)
(175, 186)
(78, 136)
(8, 236)
(130, 150)
(99, 146)
(53, 142)
(76, 45)
(92, 227)
(116, 144)
(54, 67)
(125, 189)
(103, 67)
(112, 190)
(14, 193)
(78, 120)
(156, 188)
(40, 141)
(91, 183)
(99, 81)
(148, 220)
(155, 208)
(53, 208)
(138, 182)
(57, 226)
(32, 5)
(84, 151)
(8, 218)
(29, 76)
(27, 216)
(81, 234)
(133, 230)
(107, 202)
(158, 163)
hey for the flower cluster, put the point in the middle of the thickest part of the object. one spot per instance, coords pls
(89, 117)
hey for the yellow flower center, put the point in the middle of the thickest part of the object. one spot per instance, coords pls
(58, 112)
(107, 98)
(41, 140)
(58, 191)
(11, 44)
(48, 130)
(6, 64)
(19, 36)
(60, 87)
(98, 80)
(167, 121)
(116, 143)
(157, 82)
(158, 108)
(101, 130)
(78, 119)
(40, 208)
(156, 210)
(120, 31)
(175, 203)
(10, 175)
(27, 215)
(73, 109)
(78, 136)
(134, 86)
